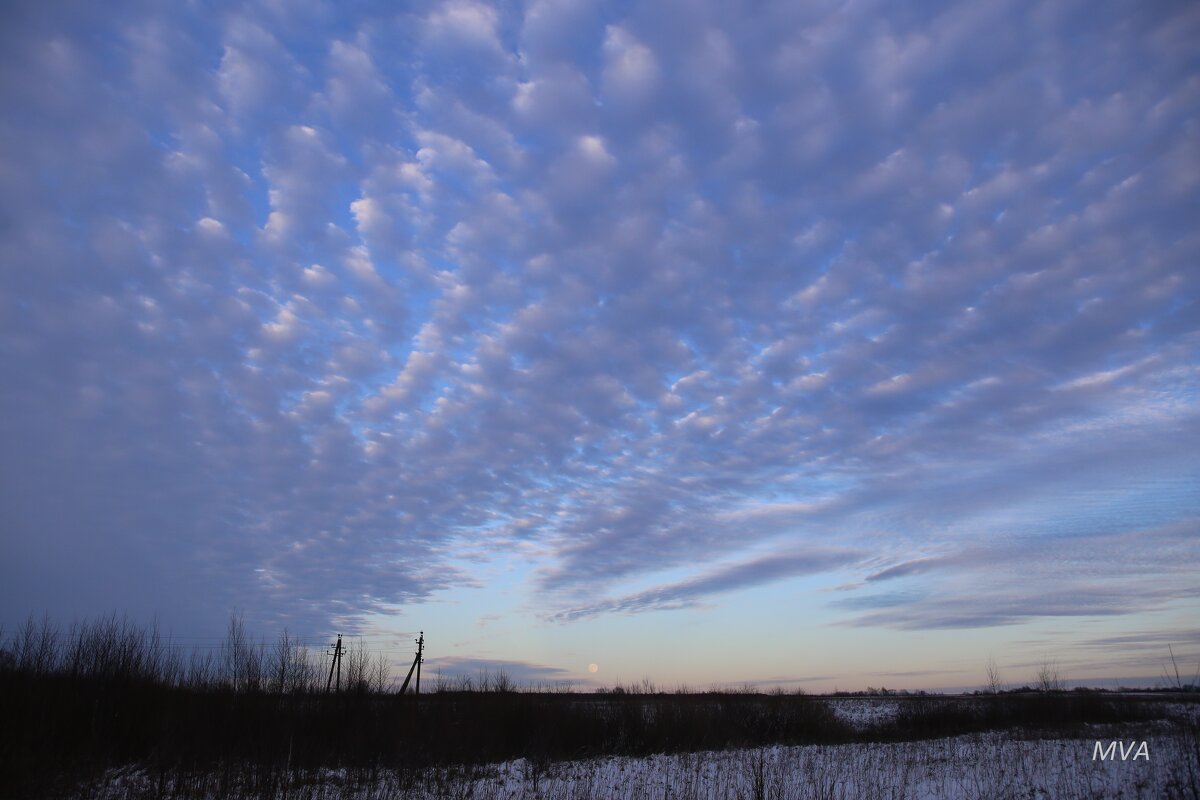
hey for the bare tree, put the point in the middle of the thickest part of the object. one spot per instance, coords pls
(202, 670)
(357, 666)
(281, 665)
(36, 646)
(1050, 677)
(501, 682)
(380, 674)
(243, 661)
(994, 684)
(307, 676)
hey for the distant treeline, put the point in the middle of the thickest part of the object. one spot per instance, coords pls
(114, 648)
(95, 695)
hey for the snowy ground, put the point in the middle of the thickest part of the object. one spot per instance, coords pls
(984, 766)
(863, 712)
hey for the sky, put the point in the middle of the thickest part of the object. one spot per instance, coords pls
(811, 344)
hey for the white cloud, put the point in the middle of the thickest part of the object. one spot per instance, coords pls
(644, 295)
(631, 72)
(463, 25)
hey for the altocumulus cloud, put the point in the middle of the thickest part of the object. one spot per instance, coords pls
(299, 303)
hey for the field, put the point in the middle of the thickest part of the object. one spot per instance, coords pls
(705, 746)
(106, 712)
(983, 765)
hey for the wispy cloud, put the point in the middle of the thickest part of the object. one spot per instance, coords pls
(738, 576)
(484, 673)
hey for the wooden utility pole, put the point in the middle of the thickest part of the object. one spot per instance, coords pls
(416, 665)
(337, 662)
(420, 658)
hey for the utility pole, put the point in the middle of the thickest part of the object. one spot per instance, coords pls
(420, 658)
(416, 665)
(337, 662)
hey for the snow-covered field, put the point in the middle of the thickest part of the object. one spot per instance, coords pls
(863, 712)
(984, 766)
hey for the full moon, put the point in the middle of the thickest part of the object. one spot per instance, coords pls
(593, 668)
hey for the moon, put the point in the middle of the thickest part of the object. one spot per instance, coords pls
(593, 668)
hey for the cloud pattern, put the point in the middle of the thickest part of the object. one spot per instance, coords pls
(301, 304)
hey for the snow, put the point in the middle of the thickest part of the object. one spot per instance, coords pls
(981, 766)
(863, 712)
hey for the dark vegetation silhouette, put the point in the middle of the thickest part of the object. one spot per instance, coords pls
(85, 699)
